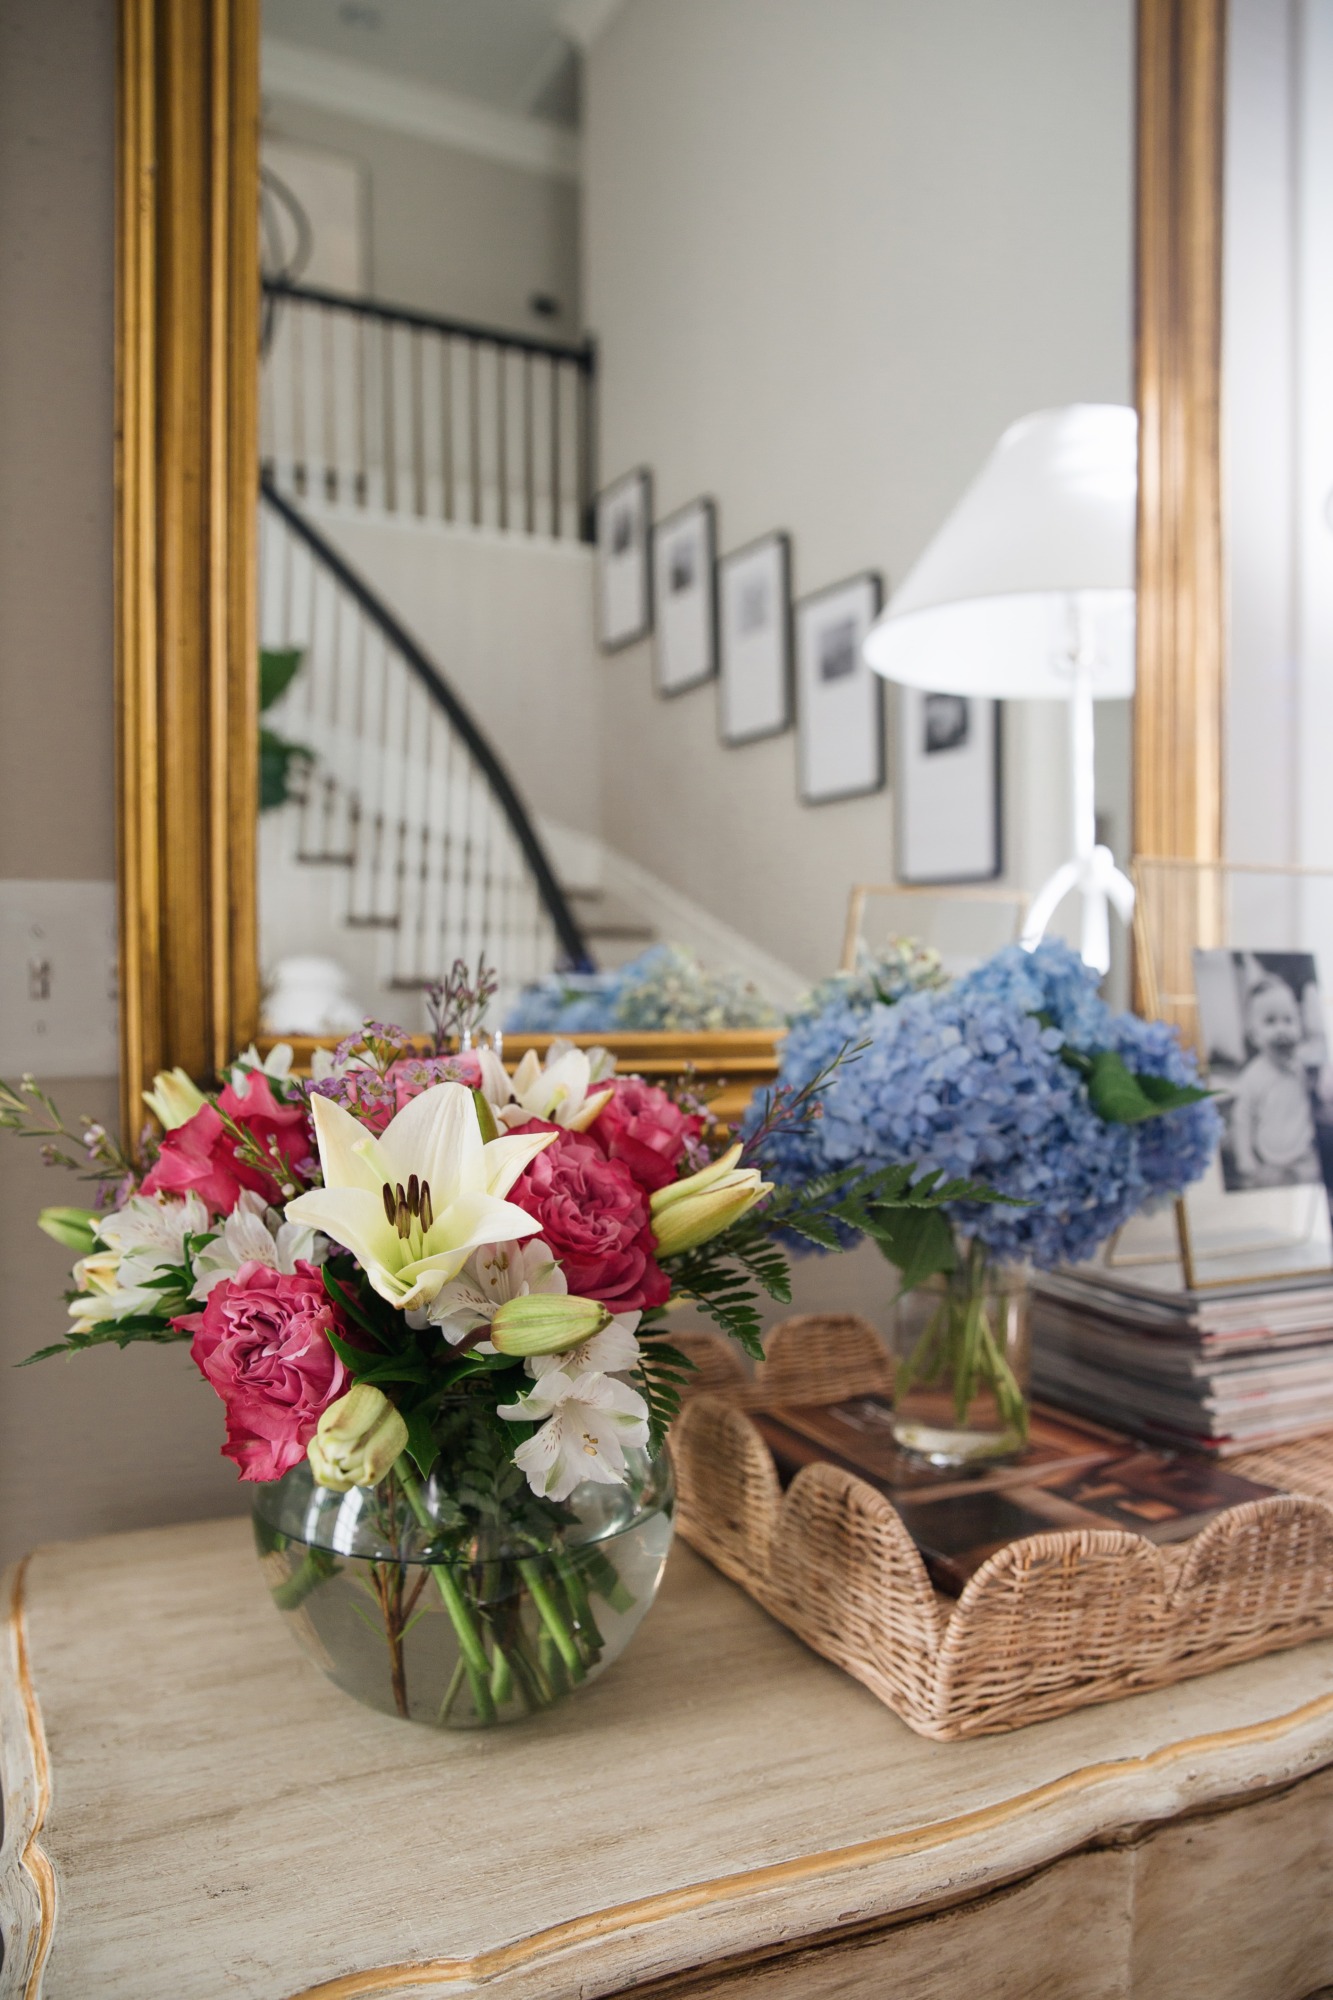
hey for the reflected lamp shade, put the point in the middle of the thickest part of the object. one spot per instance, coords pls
(1032, 569)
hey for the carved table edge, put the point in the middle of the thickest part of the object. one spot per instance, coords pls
(430, 1974)
(25, 1793)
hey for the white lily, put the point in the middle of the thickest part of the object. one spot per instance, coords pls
(491, 1277)
(559, 1091)
(254, 1233)
(591, 1421)
(412, 1204)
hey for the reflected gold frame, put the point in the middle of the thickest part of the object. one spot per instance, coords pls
(187, 474)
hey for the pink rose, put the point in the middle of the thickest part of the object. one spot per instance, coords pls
(376, 1098)
(641, 1127)
(262, 1341)
(595, 1217)
(201, 1157)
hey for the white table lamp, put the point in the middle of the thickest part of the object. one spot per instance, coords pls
(1027, 593)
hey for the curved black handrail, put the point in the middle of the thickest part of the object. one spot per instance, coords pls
(583, 356)
(572, 941)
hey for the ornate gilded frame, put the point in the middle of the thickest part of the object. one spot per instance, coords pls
(187, 451)
(187, 345)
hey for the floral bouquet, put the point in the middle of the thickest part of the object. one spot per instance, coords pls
(431, 1296)
(1020, 1074)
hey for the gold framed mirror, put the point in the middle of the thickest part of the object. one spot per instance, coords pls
(188, 333)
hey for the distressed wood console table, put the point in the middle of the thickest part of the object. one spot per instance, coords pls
(193, 1813)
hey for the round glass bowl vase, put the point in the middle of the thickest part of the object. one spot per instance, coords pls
(403, 1618)
(961, 1363)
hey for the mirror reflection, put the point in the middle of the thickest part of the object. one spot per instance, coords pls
(620, 365)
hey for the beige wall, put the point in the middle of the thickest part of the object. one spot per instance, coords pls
(832, 247)
(111, 1440)
(449, 231)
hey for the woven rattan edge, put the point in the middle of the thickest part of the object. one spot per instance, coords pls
(1058, 1621)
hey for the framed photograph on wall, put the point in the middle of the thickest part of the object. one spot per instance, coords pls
(685, 594)
(839, 700)
(624, 519)
(947, 786)
(754, 640)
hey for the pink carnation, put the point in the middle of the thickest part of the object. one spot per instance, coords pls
(640, 1126)
(262, 1341)
(594, 1215)
(201, 1157)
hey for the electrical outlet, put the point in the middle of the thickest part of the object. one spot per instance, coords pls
(58, 977)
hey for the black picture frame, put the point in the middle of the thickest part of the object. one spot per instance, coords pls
(966, 823)
(755, 675)
(842, 693)
(685, 650)
(623, 573)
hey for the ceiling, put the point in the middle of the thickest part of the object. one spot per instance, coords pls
(508, 54)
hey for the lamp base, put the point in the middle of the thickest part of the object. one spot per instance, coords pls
(1102, 886)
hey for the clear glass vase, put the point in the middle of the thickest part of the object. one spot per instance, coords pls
(434, 1615)
(961, 1358)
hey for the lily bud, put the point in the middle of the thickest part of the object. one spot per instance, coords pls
(173, 1099)
(694, 1210)
(76, 1228)
(546, 1323)
(356, 1440)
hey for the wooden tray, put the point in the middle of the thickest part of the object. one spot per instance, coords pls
(1050, 1623)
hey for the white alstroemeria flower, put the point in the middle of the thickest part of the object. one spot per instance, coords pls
(491, 1277)
(559, 1091)
(153, 1227)
(277, 1063)
(412, 1204)
(613, 1351)
(254, 1233)
(143, 1239)
(591, 1420)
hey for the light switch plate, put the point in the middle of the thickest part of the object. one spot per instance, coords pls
(58, 970)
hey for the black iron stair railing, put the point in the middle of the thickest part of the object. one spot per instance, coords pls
(402, 789)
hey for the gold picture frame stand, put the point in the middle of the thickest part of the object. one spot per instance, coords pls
(1183, 905)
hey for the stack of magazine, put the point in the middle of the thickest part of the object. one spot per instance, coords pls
(1219, 1373)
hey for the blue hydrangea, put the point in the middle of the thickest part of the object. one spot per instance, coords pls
(664, 988)
(969, 1080)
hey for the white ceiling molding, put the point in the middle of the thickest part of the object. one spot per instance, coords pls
(308, 76)
(582, 21)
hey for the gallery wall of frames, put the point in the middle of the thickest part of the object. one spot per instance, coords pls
(777, 662)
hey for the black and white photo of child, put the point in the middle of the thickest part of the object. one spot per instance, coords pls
(1261, 1023)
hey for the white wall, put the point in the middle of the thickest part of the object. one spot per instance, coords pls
(1277, 409)
(832, 247)
(449, 230)
(111, 1440)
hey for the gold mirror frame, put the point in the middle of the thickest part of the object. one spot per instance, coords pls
(187, 472)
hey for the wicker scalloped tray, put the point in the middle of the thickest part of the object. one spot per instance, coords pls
(1050, 1623)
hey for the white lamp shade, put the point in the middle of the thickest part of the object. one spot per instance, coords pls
(1037, 556)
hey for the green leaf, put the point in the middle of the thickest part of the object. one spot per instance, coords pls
(919, 1241)
(1122, 1098)
(485, 1117)
(344, 1297)
(357, 1362)
(278, 667)
(421, 1446)
(276, 757)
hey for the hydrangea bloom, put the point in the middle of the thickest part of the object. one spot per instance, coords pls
(969, 1080)
(663, 988)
